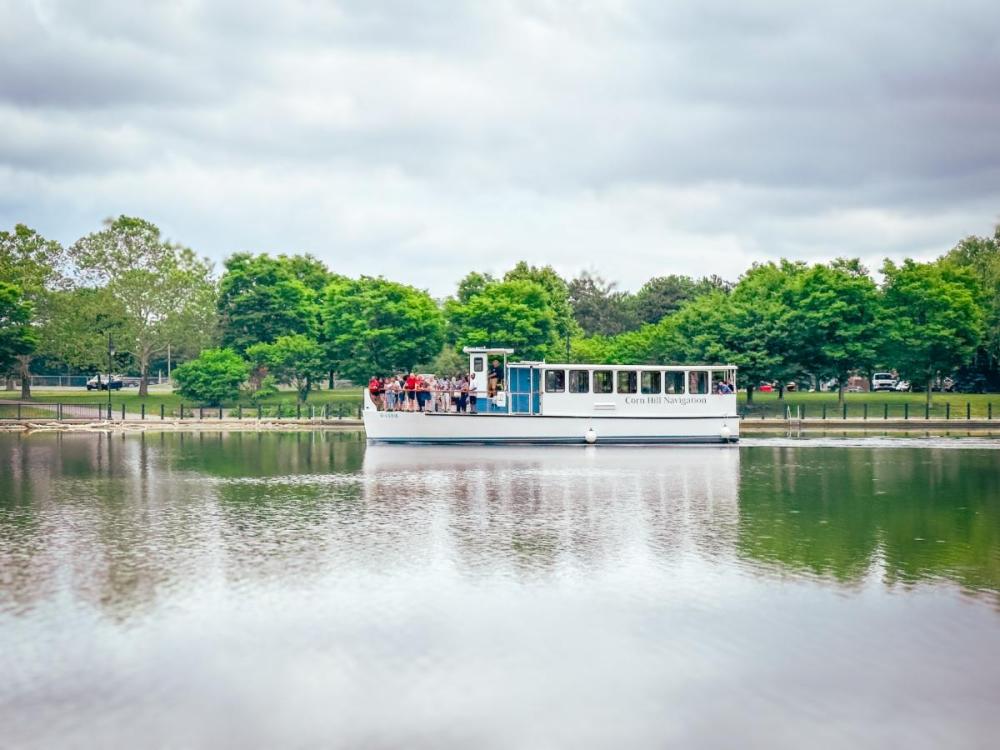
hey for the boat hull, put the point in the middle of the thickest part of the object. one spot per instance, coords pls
(437, 427)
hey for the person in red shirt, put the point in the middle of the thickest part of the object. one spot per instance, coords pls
(373, 388)
(411, 392)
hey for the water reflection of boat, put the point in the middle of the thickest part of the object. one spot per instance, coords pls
(561, 504)
(691, 461)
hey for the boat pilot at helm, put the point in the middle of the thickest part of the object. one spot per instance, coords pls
(495, 378)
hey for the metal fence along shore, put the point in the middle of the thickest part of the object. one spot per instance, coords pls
(24, 411)
(870, 411)
(32, 411)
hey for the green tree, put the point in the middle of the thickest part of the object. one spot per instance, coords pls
(834, 320)
(309, 270)
(599, 308)
(164, 291)
(372, 325)
(213, 378)
(557, 299)
(472, 284)
(630, 347)
(76, 330)
(515, 314)
(39, 267)
(764, 301)
(981, 255)
(262, 298)
(297, 360)
(590, 349)
(932, 316)
(663, 295)
(17, 338)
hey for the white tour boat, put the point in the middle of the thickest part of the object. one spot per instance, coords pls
(574, 403)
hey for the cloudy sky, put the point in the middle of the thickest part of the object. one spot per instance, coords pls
(420, 140)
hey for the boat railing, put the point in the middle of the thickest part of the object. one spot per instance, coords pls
(503, 402)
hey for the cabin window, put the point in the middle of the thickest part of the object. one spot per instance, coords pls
(555, 381)
(477, 364)
(721, 382)
(627, 381)
(579, 381)
(649, 382)
(697, 381)
(673, 382)
(603, 381)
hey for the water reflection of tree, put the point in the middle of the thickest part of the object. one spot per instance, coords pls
(121, 520)
(278, 496)
(262, 454)
(46, 481)
(921, 513)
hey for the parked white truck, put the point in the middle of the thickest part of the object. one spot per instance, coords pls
(884, 381)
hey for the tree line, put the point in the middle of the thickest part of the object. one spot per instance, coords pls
(269, 319)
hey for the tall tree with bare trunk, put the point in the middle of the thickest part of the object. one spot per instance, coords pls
(164, 290)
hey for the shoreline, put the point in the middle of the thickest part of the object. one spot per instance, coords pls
(185, 425)
(747, 426)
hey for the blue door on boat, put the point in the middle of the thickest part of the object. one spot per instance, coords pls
(524, 388)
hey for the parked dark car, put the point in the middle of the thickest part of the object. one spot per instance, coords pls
(97, 383)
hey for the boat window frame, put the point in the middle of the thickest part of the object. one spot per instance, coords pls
(569, 380)
(672, 375)
(653, 375)
(545, 380)
(611, 381)
(703, 387)
(634, 382)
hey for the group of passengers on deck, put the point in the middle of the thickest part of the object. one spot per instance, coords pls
(413, 392)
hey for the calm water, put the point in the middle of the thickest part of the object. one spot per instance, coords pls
(300, 590)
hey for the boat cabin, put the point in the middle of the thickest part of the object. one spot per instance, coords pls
(550, 389)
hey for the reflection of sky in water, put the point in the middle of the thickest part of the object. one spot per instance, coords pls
(263, 590)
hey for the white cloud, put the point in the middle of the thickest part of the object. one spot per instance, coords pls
(422, 140)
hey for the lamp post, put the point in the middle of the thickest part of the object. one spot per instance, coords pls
(111, 353)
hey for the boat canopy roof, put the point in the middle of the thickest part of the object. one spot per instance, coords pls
(506, 352)
(599, 366)
(487, 350)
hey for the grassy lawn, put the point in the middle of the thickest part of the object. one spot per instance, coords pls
(343, 401)
(878, 404)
